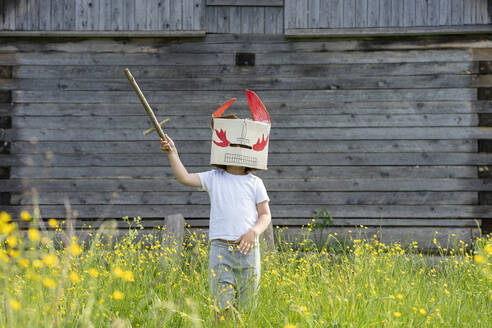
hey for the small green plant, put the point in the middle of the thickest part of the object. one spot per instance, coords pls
(322, 221)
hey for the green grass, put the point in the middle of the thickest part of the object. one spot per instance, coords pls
(141, 282)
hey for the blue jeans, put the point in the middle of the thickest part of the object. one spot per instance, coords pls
(232, 274)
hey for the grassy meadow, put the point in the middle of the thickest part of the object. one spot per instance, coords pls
(49, 278)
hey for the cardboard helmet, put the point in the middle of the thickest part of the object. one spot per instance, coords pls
(241, 142)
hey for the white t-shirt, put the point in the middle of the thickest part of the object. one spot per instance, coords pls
(233, 200)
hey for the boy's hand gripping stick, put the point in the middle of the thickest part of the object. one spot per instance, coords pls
(157, 125)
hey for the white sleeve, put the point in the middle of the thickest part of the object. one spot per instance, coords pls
(261, 193)
(205, 179)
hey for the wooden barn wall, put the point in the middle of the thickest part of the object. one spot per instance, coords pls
(387, 137)
(101, 15)
(384, 13)
(240, 17)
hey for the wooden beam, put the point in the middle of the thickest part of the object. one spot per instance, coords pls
(103, 34)
(386, 31)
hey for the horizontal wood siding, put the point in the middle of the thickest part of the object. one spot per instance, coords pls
(386, 137)
(102, 15)
(384, 13)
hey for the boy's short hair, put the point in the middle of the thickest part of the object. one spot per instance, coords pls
(246, 169)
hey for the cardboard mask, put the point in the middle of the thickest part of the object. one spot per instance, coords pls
(241, 142)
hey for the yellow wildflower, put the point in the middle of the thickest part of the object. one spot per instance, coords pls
(6, 228)
(14, 253)
(289, 325)
(399, 296)
(488, 249)
(26, 216)
(118, 272)
(75, 249)
(53, 223)
(15, 305)
(24, 263)
(93, 273)
(74, 277)
(33, 234)
(479, 259)
(128, 276)
(397, 314)
(50, 260)
(3, 256)
(422, 311)
(48, 282)
(5, 217)
(117, 295)
(38, 264)
(11, 241)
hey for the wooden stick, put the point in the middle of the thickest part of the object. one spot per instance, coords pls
(144, 103)
(149, 131)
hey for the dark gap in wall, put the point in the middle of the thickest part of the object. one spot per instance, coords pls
(5, 96)
(4, 172)
(4, 198)
(4, 147)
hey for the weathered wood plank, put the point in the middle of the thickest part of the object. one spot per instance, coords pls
(258, 43)
(141, 15)
(313, 11)
(198, 13)
(385, 10)
(118, 97)
(117, 15)
(280, 108)
(129, 14)
(361, 13)
(261, 83)
(469, 11)
(277, 146)
(253, 20)
(409, 12)
(397, 13)
(274, 20)
(373, 13)
(56, 15)
(21, 15)
(246, 3)
(68, 15)
(457, 11)
(301, 9)
(329, 71)
(81, 15)
(482, 14)
(335, 16)
(176, 15)
(284, 121)
(187, 14)
(304, 184)
(201, 211)
(93, 12)
(164, 14)
(278, 198)
(280, 134)
(444, 12)
(433, 13)
(104, 18)
(284, 172)
(33, 9)
(156, 159)
(152, 16)
(349, 13)
(421, 10)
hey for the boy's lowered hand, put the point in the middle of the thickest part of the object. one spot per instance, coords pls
(246, 242)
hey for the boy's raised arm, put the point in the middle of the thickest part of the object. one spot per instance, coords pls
(188, 179)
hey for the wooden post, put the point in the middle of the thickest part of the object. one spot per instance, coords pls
(269, 238)
(174, 232)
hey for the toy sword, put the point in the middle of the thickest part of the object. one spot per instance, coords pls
(157, 125)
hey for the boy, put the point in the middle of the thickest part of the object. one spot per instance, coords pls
(239, 210)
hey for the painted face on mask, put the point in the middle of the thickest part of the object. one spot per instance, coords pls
(241, 142)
